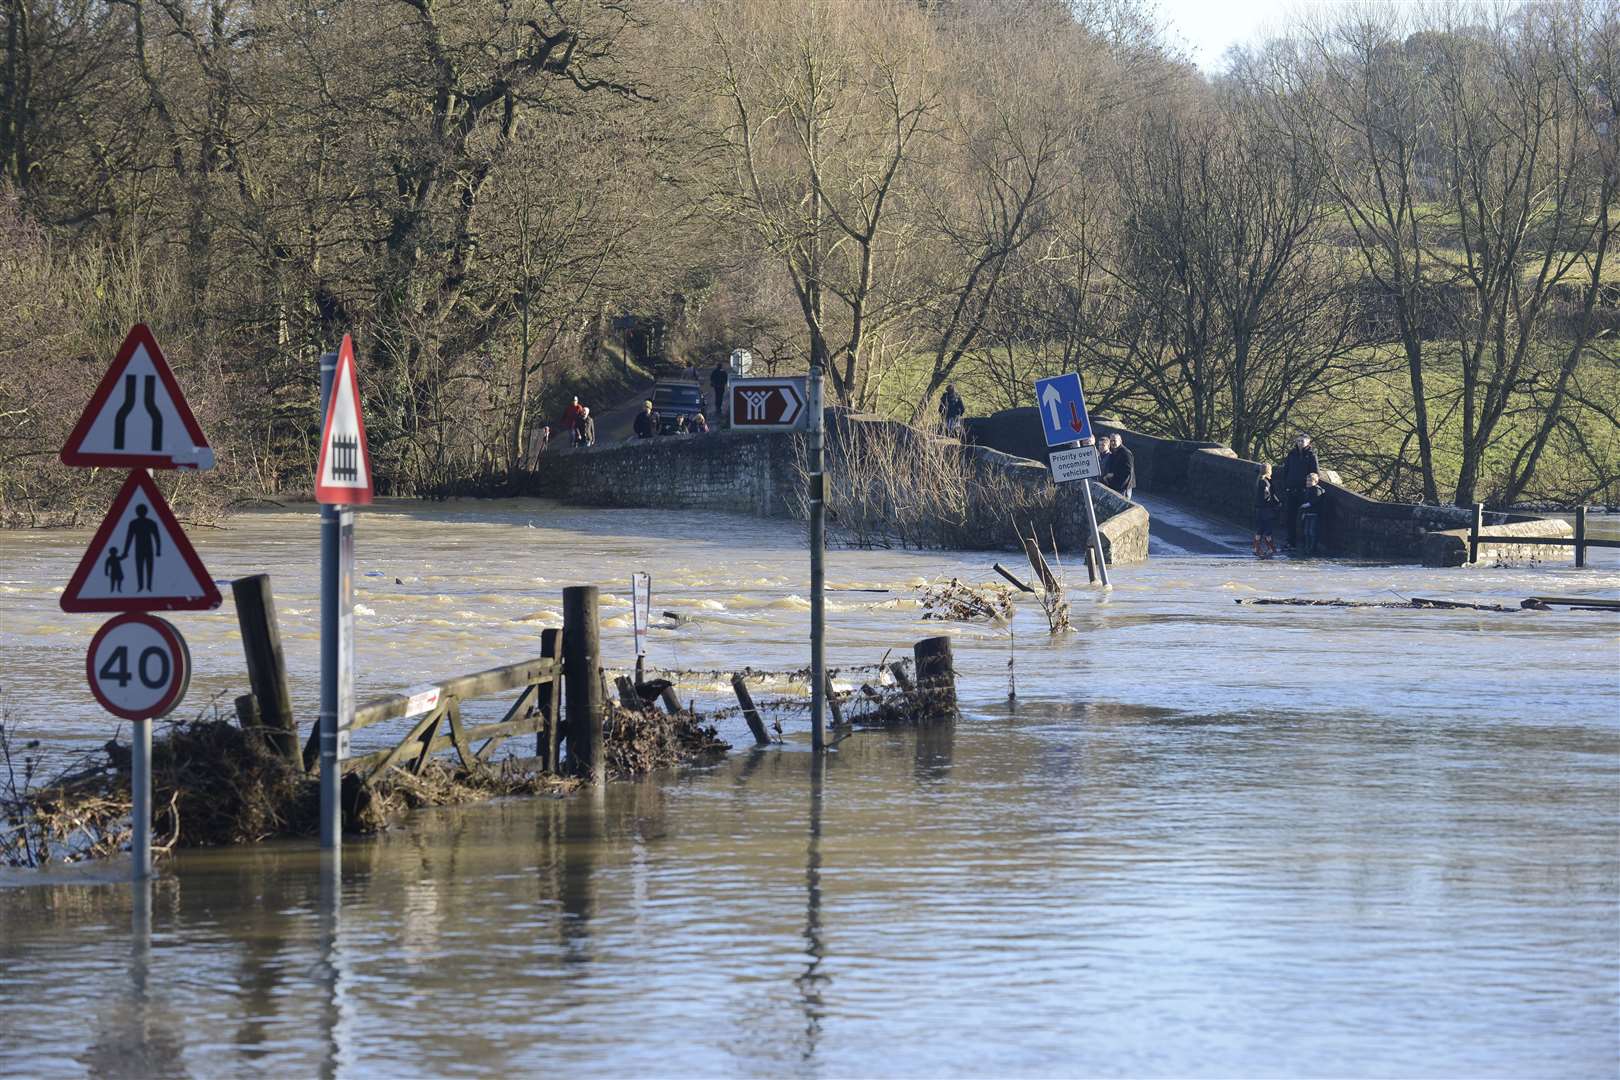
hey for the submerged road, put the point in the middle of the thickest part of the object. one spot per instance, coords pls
(1175, 529)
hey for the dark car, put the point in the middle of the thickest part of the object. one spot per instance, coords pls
(673, 400)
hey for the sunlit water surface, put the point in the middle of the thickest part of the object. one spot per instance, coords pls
(1207, 839)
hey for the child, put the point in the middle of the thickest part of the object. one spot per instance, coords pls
(1312, 502)
(114, 567)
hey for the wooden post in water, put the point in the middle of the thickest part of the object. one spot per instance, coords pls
(1580, 537)
(936, 675)
(582, 685)
(834, 705)
(901, 679)
(1474, 525)
(740, 687)
(672, 700)
(627, 693)
(267, 666)
(547, 702)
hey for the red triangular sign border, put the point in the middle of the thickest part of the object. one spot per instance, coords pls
(140, 335)
(141, 483)
(325, 493)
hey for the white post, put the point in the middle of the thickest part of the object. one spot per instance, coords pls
(1096, 537)
(140, 783)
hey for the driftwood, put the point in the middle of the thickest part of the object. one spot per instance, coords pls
(1417, 602)
(1574, 603)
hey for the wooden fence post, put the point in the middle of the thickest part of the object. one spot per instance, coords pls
(547, 703)
(267, 666)
(1474, 525)
(1580, 537)
(936, 675)
(672, 700)
(740, 687)
(834, 704)
(582, 686)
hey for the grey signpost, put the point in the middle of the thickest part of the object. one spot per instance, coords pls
(818, 573)
(342, 481)
(331, 646)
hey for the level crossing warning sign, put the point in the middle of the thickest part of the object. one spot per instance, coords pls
(343, 471)
(140, 559)
(138, 418)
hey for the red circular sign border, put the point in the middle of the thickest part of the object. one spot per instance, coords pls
(180, 683)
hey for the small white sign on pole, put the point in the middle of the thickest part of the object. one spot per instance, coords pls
(641, 602)
(1079, 463)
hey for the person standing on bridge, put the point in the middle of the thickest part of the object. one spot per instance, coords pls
(718, 380)
(951, 410)
(1300, 463)
(646, 421)
(1312, 505)
(1121, 471)
(570, 420)
(1266, 505)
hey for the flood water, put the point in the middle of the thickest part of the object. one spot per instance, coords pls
(1205, 839)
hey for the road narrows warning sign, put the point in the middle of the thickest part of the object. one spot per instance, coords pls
(140, 559)
(343, 472)
(138, 418)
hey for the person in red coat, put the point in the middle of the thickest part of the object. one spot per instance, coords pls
(572, 418)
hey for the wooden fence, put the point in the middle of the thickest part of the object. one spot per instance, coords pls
(1580, 542)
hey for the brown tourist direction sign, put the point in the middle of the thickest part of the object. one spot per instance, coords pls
(767, 404)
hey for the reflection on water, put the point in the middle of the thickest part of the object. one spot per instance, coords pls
(1209, 839)
(1060, 891)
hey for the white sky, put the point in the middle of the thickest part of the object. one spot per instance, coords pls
(1207, 28)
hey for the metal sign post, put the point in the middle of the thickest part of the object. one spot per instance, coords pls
(342, 481)
(641, 614)
(331, 646)
(818, 572)
(1096, 537)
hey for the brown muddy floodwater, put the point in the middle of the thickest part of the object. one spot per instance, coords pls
(1206, 840)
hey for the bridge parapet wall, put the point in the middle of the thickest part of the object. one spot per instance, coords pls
(1214, 479)
(761, 475)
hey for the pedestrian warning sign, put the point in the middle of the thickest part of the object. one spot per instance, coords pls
(140, 559)
(138, 418)
(343, 471)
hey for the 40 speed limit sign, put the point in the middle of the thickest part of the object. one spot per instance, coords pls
(139, 666)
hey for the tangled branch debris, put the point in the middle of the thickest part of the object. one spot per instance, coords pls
(959, 601)
(213, 784)
(638, 741)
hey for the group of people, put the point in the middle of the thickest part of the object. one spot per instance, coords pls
(1117, 465)
(580, 426)
(1301, 503)
(648, 423)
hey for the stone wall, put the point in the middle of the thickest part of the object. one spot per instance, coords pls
(744, 473)
(760, 474)
(1217, 481)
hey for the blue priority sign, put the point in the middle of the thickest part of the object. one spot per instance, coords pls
(1062, 406)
